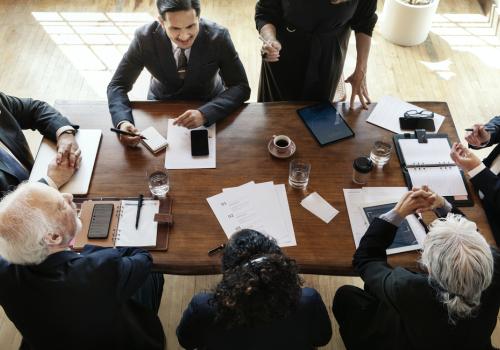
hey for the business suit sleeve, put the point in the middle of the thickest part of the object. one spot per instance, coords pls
(370, 261)
(193, 320)
(268, 11)
(495, 135)
(131, 266)
(126, 74)
(35, 115)
(235, 80)
(489, 184)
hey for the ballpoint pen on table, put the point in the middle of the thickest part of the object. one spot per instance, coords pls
(122, 132)
(139, 206)
(216, 249)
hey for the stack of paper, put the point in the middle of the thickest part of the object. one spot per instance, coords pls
(262, 207)
(389, 109)
(360, 198)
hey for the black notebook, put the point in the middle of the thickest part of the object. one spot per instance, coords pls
(325, 123)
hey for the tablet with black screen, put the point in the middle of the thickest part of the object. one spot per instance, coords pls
(325, 123)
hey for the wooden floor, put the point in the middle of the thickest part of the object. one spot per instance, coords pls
(68, 49)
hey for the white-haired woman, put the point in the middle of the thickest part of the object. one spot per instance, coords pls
(453, 305)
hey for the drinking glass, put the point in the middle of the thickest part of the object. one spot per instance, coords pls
(158, 181)
(381, 153)
(298, 176)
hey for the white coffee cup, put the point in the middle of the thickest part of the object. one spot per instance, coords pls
(282, 143)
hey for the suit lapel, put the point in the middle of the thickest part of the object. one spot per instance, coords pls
(198, 51)
(166, 59)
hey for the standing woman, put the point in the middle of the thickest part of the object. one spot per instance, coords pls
(305, 44)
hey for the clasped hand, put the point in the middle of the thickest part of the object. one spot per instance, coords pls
(418, 200)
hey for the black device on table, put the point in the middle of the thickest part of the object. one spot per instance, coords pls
(100, 220)
(199, 143)
(413, 120)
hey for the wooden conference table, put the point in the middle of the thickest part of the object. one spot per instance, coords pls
(242, 156)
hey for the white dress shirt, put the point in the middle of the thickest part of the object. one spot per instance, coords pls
(176, 50)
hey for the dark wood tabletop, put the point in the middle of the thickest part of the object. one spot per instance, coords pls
(242, 156)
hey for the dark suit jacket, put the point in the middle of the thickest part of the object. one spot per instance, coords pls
(215, 73)
(489, 183)
(81, 301)
(409, 315)
(307, 327)
(24, 113)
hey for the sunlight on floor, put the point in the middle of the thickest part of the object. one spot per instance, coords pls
(94, 42)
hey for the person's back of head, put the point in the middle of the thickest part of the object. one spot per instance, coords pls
(460, 264)
(34, 219)
(260, 284)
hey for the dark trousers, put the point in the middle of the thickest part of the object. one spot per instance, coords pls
(353, 307)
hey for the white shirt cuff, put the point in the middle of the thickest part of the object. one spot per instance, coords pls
(63, 129)
(50, 182)
(120, 123)
(477, 170)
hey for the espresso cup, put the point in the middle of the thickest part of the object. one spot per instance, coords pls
(282, 143)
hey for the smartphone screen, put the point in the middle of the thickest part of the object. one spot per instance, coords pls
(100, 220)
(199, 143)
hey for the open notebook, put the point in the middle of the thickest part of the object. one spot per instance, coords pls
(430, 164)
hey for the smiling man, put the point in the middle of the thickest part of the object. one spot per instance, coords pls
(189, 58)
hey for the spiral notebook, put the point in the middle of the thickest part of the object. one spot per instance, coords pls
(152, 232)
(430, 164)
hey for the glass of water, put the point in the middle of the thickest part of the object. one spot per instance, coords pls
(158, 182)
(298, 176)
(381, 153)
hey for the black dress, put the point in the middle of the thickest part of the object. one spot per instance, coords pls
(314, 36)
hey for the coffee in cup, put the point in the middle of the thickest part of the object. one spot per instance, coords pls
(281, 143)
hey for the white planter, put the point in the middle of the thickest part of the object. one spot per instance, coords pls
(405, 24)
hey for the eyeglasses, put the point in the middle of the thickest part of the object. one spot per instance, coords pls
(413, 113)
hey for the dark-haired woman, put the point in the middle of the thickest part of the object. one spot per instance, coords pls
(305, 44)
(259, 304)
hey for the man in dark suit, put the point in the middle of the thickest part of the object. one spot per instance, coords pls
(454, 304)
(16, 160)
(101, 298)
(189, 59)
(483, 175)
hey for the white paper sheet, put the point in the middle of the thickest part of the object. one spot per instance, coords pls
(178, 154)
(445, 181)
(435, 151)
(262, 207)
(145, 234)
(319, 207)
(88, 141)
(388, 110)
(355, 199)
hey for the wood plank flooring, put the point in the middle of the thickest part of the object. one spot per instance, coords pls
(68, 50)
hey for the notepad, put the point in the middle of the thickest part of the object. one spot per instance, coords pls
(430, 164)
(319, 207)
(154, 141)
(145, 235)
(88, 140)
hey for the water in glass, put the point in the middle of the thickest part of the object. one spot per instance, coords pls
(298, 176)
(158, 183)
(380, 153)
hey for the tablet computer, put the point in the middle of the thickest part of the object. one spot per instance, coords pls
(325, 123)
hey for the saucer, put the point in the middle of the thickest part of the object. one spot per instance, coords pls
(272, 149)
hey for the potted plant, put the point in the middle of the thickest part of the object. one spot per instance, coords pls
(407, 22)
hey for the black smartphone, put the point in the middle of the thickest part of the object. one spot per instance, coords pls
(100, 221)
(417, 123)
(199, 143)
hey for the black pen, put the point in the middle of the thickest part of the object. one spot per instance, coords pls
(216, 250)
(139, 206)
(121, 132)
(488, 128)
(419, 218)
